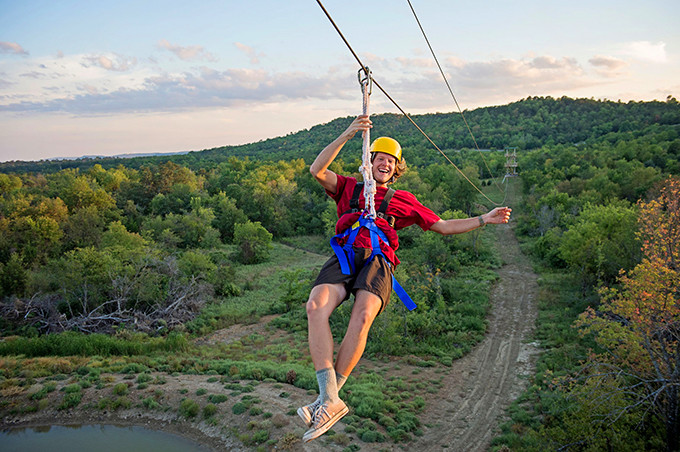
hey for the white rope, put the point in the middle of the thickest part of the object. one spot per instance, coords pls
(366, 167)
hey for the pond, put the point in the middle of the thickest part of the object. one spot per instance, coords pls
(100, 438)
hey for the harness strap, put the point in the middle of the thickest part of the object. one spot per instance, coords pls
(382, 210)
(346, 255)
(386, 200)
(354, 202)
(403, 296)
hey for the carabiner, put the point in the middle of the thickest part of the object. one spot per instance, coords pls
(366, 80)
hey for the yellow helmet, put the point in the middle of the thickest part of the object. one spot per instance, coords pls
(388, 146)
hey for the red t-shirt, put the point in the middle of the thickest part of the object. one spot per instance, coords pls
(403, 206)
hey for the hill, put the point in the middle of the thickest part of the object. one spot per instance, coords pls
(528, 124)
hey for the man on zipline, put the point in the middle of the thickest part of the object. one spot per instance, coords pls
(372, 267)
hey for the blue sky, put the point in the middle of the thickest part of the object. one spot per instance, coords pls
(104, 78)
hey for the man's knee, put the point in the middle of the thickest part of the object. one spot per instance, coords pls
(314, 305)
(366, 309)
(323, 300)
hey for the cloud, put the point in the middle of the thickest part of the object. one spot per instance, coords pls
(410, 63)
(414, 83)
(607, 66)
(549, 62)
(189, 53)
(607, 62)
(114, 62)
(12, 48)
(647, 51)
(486, 82)
(201, 88)
(511, 73)
(250, 52)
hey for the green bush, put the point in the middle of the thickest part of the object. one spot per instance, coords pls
(196, 264)
(253, 241)
(217, 398)
(209, 410)
(239, 408)
(72, 343)
(144, 378)
(188, 408)
(151, 403)
(70, 400)
(72, 389)
(121, 402)
(120, 389)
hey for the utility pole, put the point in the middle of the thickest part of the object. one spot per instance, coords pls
(510, 161)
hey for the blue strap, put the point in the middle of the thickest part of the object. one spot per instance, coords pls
(345, 253)
(346, 264)
(403, 296)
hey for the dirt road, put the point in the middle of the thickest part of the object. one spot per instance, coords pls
(484, 383)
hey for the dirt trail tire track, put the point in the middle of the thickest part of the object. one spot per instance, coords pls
(465, 415)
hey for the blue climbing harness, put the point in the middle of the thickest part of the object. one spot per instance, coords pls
(345, 253)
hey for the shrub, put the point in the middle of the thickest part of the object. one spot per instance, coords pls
(144, 378)
(217, 398)
(150, 403)
(120, 389)
(369, 436)
(104, 403)
(71, 343)
(188, 408)
(239, 408)
(196, 264)
(72, 389)
(41, 394)
(209, 410)
(70, 400)
(253, 241)
(121, 402)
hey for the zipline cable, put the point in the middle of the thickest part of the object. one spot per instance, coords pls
(460, 110)
(399, 107)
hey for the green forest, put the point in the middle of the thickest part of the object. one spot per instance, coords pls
(121, 266)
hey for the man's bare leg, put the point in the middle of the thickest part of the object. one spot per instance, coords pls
(366, 308)
(328, 408)
(323, 300)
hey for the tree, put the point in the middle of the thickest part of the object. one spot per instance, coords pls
(227, 214)
(253, 241)
(12, 277)
(84, 228)
(601, 242)
(638, 325)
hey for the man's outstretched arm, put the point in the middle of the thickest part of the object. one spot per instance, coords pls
(457, 226)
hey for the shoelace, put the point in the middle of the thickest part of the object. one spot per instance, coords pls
(314, 406)
(320, 410)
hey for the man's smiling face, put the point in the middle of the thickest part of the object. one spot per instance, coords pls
(384, 166)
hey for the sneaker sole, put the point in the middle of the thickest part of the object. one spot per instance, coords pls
(310, 435)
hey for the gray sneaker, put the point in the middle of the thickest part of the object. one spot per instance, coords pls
(306, 412)
(325, 416)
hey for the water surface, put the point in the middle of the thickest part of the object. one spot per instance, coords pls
(99, 438)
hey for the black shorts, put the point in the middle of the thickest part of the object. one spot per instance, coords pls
(374, 276)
